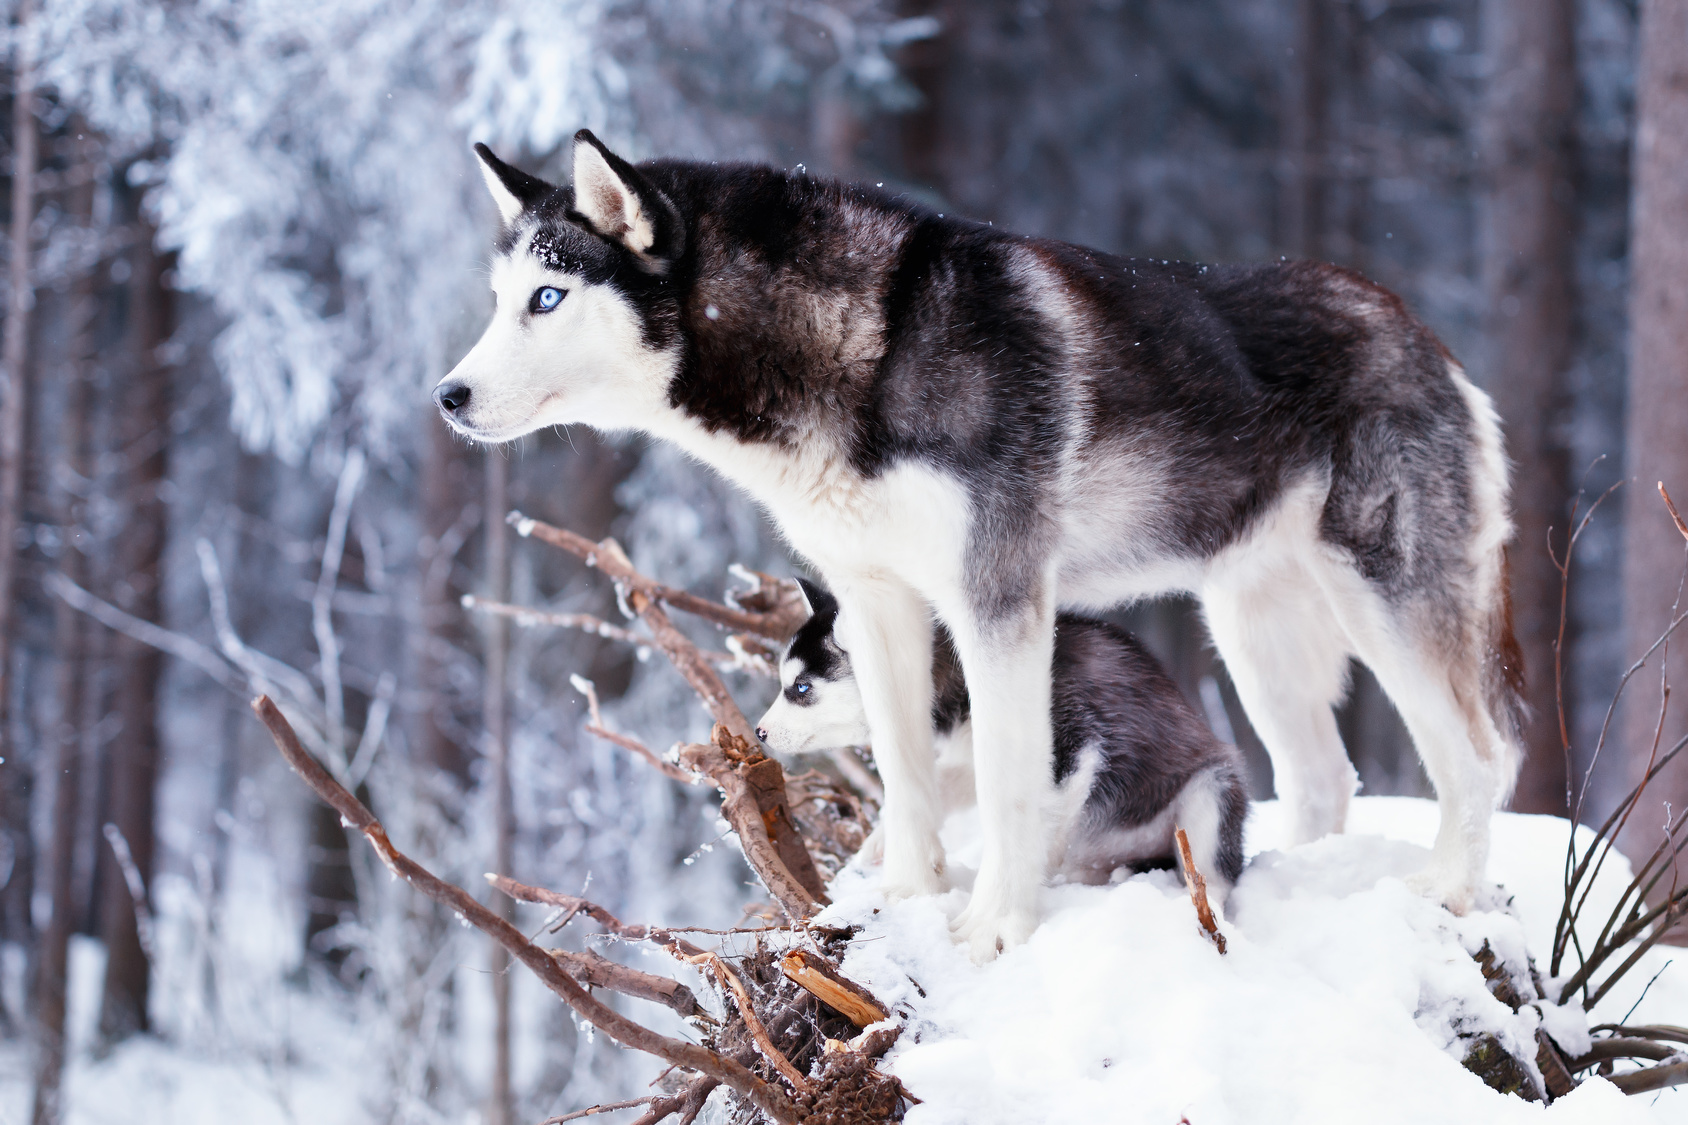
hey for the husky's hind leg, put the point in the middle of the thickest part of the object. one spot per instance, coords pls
(887, 629)
(1432, 672)
(1288, 659)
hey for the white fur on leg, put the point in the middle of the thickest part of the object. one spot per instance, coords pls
(887, 630)
(1007, 669)
(1287, 655)
(1419, 680)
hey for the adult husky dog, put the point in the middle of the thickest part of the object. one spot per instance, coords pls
(946, 418)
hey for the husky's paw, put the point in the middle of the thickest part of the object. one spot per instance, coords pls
(1453, 891)
(988, 932)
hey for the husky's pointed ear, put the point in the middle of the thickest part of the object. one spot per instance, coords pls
(818, 600)
(512, 189)
(624, 207)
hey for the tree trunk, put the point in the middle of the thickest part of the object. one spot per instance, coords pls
(1656, 441)
(1528, 148)
(16, 772)
(145, 438)
(66, 757)
(498, 750)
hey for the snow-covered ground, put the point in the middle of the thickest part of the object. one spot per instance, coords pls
(1336, 1002)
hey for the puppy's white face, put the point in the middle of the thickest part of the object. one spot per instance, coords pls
(560, 349)
(813, 711)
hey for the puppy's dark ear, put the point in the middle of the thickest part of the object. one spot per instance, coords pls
(512, 189)
(817, 599)
(621, 205)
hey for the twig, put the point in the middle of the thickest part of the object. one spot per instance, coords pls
(135, 885)
(688, 1103)
(1198, 892)
(776, 625)
(1674, 515)
(585, 622)
(766, 1097)
(596, 727)
(758, 1032)
(593, 1110)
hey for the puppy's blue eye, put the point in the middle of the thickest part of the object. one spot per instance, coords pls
(546, 299)
(802, 689)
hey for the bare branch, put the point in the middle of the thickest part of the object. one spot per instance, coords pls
(766, 1097)
(590, 1111)
(184, 648)
(596, 727)
(1651, 1078)
(598, 971)
(776, 625)
(1680, 526)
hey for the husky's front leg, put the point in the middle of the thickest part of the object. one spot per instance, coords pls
(1007, 664)
(887, 629)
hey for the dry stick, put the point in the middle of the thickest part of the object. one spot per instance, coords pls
(820, 979)
(776, 626)
(598, 971)
(766, 1097)
(747, 1009)
(596, 727)
(1198, 892)
(593, 1110)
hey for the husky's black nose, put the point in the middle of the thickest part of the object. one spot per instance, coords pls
(762, 734)
(452, 397)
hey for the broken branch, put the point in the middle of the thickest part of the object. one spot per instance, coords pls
(1198, 892)
(826, 984)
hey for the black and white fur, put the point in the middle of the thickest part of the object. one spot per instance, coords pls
(948, 419)
(1132, 762)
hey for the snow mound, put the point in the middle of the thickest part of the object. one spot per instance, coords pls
(1343, 997)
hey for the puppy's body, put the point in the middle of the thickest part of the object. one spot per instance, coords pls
(1132, 762)
(947, 418)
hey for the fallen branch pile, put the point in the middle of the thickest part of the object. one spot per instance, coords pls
(793, 1039)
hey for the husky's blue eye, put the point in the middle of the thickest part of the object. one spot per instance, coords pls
(802, 689)
(545, 299)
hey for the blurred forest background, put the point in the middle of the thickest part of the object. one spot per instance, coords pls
(247, 237)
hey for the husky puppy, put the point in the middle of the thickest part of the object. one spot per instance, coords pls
(948, 419)
(1132, 761)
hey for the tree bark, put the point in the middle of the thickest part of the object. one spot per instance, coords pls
(66, 754)
(134, 754)
(1529, 151)
(16, 772)
(494, 715)
(1656, 440)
